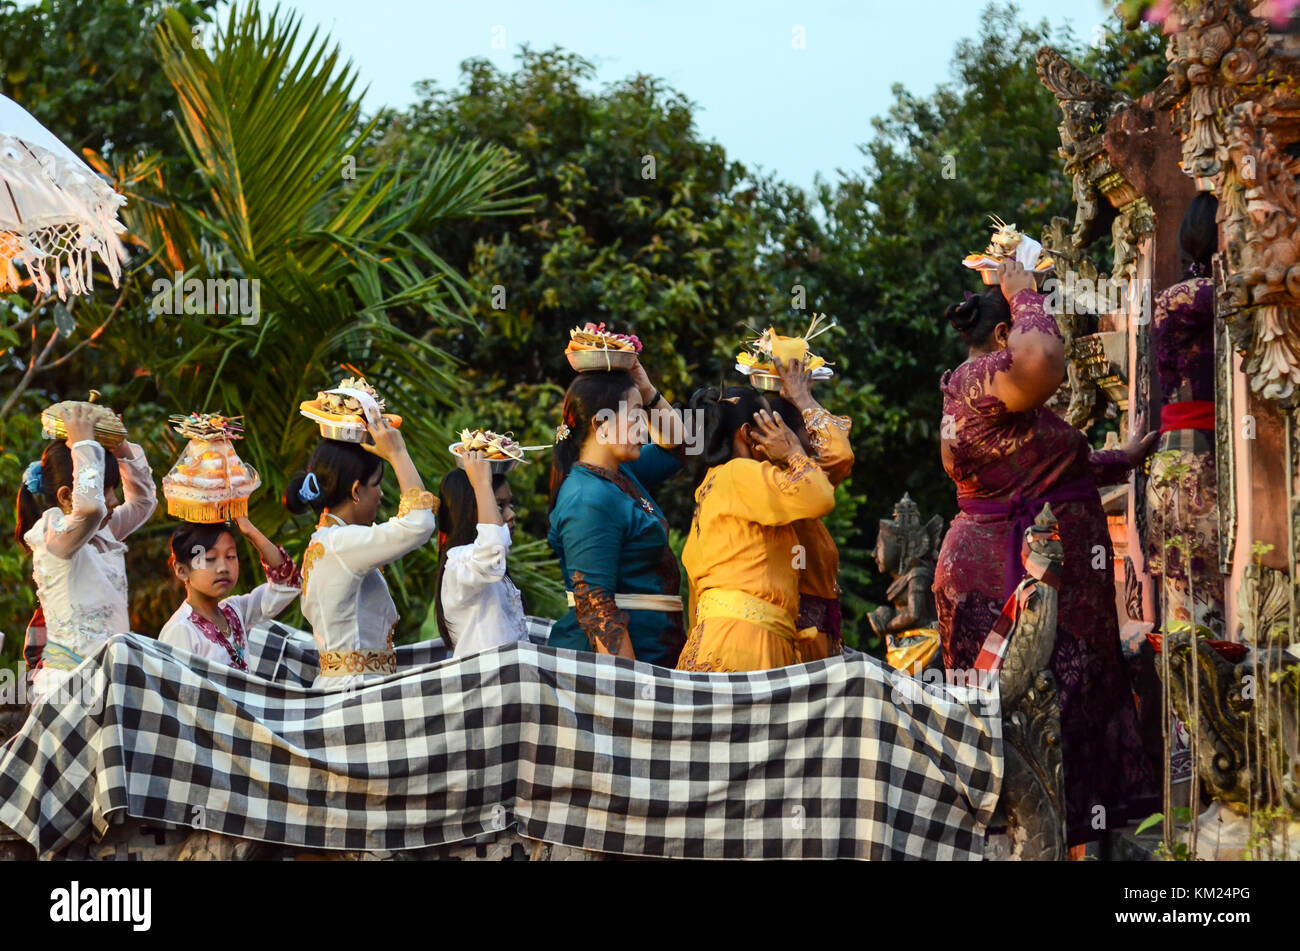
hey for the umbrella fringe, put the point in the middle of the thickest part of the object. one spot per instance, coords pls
(71, 262)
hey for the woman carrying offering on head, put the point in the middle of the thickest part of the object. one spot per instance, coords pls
(824, 438)
(478, 606)
(1009, 455)
(623, 582)
(742, 553)
(212, 622)
(344, 595)
(70, 520)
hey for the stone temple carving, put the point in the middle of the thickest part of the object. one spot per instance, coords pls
(1232, 92)
(907, 550)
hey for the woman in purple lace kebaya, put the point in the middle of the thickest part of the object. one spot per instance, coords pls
(1182, 491)
(1008, 455)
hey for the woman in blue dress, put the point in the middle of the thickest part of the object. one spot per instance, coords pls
(623, 581)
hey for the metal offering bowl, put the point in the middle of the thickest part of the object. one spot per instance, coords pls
(587, 360)
(499, 466)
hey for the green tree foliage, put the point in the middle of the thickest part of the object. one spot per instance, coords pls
(407, 269)
(881, 248)
(83, 68)
(330, 243)
(641, 224)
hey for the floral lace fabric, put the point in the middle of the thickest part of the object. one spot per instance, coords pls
(1182, 337)
(600, 618)
(992, 453)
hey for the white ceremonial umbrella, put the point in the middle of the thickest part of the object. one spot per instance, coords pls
(55, 212)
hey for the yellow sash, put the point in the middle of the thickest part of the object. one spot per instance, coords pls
(911, 650)
(739, 605)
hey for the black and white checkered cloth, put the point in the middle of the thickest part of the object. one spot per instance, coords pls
(279, 652)
(822, 760)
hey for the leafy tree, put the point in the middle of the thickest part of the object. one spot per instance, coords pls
(881, 248)
(83, 68)
(333, 257)
(640, 224)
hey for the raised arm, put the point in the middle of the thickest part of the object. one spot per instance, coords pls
(828, 434)
(139, 495)
(1035, 347)
(362, 547)
(66, 532)
(283, 580)
(479, 564)
(666, 427)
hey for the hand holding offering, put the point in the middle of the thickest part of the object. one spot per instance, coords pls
(796, 381)
(1014, 278)
(387, 442)
(79, 420)
(478, 468)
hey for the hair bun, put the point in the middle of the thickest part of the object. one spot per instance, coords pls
(963, 316)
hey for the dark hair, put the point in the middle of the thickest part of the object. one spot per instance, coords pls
(56, 473)
(1198, 235)
(724, 411)
(457, 525)
(587, 396)
(337, 466)
(977, 316)
(191, 535)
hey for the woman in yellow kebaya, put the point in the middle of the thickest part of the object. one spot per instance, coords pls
(742, 553)
(825, 440)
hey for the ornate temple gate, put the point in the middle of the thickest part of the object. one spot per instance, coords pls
(1225, 120)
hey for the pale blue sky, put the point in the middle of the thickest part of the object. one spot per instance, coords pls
(794, 111)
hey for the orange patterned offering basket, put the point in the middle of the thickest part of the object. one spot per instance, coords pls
(209, 483)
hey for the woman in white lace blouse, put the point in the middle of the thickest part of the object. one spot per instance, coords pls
(70, 520)
(478, 606)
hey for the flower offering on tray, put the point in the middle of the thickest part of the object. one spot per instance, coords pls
(341, 413)
(1008, 244)
(757, 362)
(592, 347)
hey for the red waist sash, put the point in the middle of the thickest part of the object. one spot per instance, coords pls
(1187, 414)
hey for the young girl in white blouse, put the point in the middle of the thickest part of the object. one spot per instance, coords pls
(478, 606)
(344, 595)
(213, 623)
(70, 520)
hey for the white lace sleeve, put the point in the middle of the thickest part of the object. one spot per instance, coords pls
(66, 533)
(139, 495)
